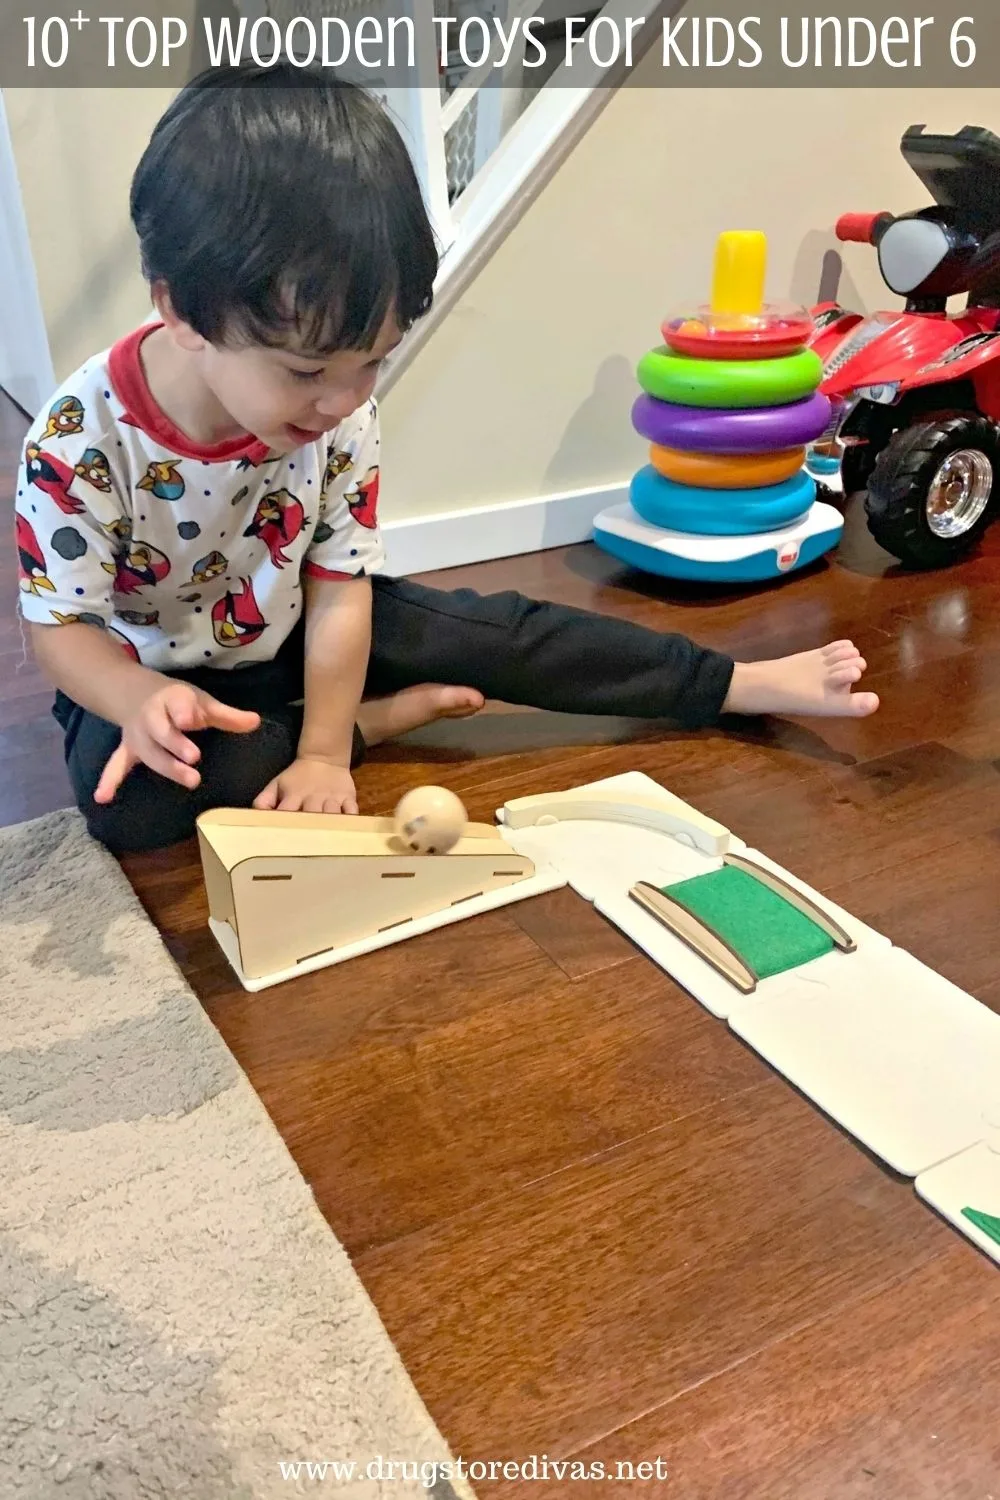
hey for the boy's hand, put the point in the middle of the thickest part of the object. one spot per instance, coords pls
(153, 735)
(310, 784)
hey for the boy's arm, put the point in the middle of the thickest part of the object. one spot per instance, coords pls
(338, 619)
(346, 549)
(92, 669)
(65, 526)
(155, 712)
(338, 641)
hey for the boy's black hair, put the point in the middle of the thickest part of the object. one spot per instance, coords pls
(274, 204)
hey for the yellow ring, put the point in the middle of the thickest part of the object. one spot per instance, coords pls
(709, 471)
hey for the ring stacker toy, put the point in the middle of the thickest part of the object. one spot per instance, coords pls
(729, 405)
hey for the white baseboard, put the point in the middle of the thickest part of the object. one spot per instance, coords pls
(453, 538)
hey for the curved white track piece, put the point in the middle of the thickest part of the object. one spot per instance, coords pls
(634, 799)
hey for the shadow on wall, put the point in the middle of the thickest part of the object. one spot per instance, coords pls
(819, 274)
(594, 424)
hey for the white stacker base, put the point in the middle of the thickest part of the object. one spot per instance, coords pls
(710, 558)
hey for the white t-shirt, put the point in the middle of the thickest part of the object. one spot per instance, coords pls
(189, 556)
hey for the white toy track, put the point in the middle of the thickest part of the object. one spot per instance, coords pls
(905, 1061)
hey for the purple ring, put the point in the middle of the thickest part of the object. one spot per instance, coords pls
(696, 430)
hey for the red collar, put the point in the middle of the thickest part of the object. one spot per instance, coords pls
(141, 410)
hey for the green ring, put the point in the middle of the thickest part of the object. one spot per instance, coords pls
(731, 384)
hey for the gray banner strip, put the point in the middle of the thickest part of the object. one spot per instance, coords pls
(705, 44)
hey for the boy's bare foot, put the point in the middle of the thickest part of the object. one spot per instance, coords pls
(385, 718)
(813, 683)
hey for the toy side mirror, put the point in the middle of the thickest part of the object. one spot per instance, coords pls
(863, 229)
(922, 255)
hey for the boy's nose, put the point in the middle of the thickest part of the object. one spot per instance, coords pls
(339, 404)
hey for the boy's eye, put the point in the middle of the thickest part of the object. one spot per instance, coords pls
(305, 374)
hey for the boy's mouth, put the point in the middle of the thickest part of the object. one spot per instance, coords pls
(303, 434)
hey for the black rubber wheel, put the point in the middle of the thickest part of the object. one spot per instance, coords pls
(905, 516)
(856, 469)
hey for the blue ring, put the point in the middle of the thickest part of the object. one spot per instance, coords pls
(822, 465)
(682, 507)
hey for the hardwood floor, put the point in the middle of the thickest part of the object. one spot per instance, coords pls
(595, 1224)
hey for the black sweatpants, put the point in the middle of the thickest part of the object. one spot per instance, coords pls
(510, 648)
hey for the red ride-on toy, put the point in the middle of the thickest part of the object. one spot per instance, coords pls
(916, 392)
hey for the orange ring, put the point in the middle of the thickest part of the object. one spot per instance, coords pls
(709, 471)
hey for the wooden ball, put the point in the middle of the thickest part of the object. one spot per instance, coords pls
(430, 820)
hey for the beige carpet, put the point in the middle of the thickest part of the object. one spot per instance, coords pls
(176, 1317)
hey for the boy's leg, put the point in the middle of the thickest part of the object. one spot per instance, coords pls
(148, 810)
(555, 657)
(540, 655)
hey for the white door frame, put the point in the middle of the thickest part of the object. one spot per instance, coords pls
(26, 371)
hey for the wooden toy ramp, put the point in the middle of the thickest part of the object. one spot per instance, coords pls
(293, 892)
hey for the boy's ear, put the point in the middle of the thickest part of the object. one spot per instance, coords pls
(182, 333)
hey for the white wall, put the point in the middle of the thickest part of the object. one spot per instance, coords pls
(25, 362)
(76, 150)
(526, 387)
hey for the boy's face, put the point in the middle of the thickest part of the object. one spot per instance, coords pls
(289, 397)
(284, 397)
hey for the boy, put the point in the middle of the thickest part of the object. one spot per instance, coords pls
(197, 511)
